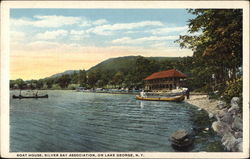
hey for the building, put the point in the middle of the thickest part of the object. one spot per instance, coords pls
(165, 80)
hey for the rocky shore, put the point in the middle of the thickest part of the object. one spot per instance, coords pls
(203, 102)
(228, 119)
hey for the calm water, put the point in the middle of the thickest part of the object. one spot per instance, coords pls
(89, 122)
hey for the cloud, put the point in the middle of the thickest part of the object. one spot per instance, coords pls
(85, 23)
(128, 40)
(159, 45)
(52, 21)
(100, 22)
(126, 26)
(49, 35)
(99, 31)
(45, 48)
(41, 45)
(78, 34)
(166, 30)
(131, 32)
(109, 28)
(17, 36)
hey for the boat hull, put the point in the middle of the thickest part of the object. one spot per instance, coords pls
(166, 99)
(20, 97)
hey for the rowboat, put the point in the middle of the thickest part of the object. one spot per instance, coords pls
(20, 96)
(167, 99)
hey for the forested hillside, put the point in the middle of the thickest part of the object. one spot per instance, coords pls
(126, 72)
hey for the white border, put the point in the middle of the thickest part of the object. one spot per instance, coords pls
(5, 6)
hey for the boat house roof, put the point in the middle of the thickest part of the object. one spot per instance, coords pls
(165, 74)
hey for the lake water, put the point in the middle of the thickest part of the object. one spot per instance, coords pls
(70, 121)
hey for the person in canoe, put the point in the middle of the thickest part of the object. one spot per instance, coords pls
(35, 94)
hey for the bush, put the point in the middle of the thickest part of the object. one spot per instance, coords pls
(73, 86)
(55, 87)
(233, 89)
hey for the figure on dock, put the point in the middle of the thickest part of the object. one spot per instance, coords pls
(187, 93)
(142, 93)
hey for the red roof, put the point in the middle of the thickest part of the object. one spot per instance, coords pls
(165, 74)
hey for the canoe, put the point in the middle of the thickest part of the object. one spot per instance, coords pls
(167, 99)
(20, 96)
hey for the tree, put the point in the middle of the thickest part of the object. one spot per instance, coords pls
(64, 81)
(143, 68)
(49, 82)
(118, 78)
(82, 78)
(39, 84)
(100, 83)
(92, 78)
(12, 84)
(217, 46)
(75, 77)
(20, 83)
(106, 76)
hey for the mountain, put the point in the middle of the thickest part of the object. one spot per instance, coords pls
(117, 64)
(125, 63)
(69, 72)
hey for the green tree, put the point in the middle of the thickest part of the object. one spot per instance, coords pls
(20, 83)
(118, 78)
(92, 78)
(39, 84)
(100, 83)
(143, 68)
(217, 44)
(64, 81)
(49, 82)
(75, 77)
(82, 78)
(12, 84)
(106, 76)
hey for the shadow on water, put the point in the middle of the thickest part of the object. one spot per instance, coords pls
(203, 133)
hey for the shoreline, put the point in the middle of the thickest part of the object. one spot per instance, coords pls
(202, 101)
(228, 124)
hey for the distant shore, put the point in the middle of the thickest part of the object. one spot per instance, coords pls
(202, 101)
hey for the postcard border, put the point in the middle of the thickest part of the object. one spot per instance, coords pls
(121, 4)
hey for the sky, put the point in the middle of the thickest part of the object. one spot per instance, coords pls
(44, 42)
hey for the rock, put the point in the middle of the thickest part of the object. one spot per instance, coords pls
(220, 127)
(181, 139)
(179, 135)
(238, 145)
(229, 141)
(234, 109)
(217, 127)
(238, 135)
(237, 124)
(221, 105)
(235, 101)
(205, 132)
(227, 118)
(210, 115)
(222, 112)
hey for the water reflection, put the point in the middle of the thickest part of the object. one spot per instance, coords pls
(142, 104)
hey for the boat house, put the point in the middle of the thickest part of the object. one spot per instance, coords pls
(165, 80)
